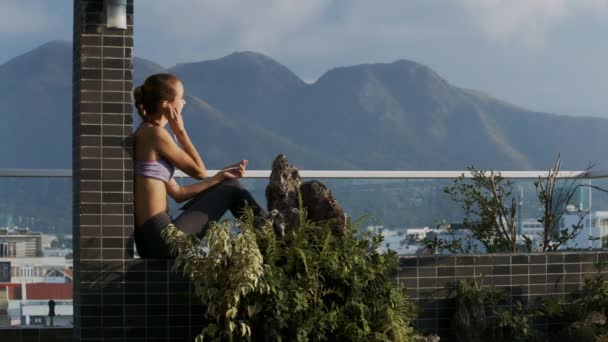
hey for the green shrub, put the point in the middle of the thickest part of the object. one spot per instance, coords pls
(488, 203)
(308, 285)
(515, 324)
(479, 317)
(584, 318)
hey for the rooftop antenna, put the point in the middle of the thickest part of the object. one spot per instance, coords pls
(581, 198)
(519, 207)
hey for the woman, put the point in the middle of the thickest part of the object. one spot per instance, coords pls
(159, 102)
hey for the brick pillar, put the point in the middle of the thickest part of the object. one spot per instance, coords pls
(102, 171)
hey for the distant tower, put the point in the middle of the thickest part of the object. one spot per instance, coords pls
(581, 198)
(520, 205)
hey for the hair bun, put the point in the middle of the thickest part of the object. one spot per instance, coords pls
(138, 95)
(141, 110)
(155, 89)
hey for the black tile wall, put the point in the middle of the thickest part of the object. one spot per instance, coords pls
(36, 334)
(143, 300)
(529, 278)
(116, 298)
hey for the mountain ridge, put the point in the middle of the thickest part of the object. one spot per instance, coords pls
(398, 115)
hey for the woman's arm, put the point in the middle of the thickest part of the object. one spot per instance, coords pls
(169, 150)
(189, 148)
(183, 193)
(177, 127)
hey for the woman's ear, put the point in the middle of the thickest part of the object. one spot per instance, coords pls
(166, 106)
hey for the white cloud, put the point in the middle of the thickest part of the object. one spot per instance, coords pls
(283, 29)
(18, 17)
(473, 43)
(250, 25)
(279, 27)
(527, 20)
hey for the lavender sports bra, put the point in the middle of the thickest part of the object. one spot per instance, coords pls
(159, 169)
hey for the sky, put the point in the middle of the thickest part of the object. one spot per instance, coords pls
(544, 55)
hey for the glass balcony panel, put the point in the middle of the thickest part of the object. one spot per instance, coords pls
(406, 211)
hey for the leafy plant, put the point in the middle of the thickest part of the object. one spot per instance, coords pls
(230, 271)
(473, 300)
(453, 245)
(490, 209)
(595, 292)
(479, 317)
(554, 201)
(515, 324)
(583, 318)
(308, 285)
(475, 292)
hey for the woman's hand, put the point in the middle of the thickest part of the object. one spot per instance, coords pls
(243, 163)
(175, 121)
(233, 171)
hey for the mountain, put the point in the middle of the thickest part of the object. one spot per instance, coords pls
(394, 116)
(142, 68)
(225, 138)
(399, 115)
(402, 115)
(246, 84)
(36, 97)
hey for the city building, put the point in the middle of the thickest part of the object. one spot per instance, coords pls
(20, 243)
(39, 270)
(593, 232)
(599, 219)
(27, 304)
(28, 284)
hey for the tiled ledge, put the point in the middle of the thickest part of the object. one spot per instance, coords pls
(137, 300)
(528, 278)
(134, 300)
(144, 300)
(42, 334)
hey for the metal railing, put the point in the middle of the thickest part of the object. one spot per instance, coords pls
(382, 176)
(335, 174)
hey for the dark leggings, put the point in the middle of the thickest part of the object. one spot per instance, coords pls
(208, 206)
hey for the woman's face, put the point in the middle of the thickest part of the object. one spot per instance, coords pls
(179, 102)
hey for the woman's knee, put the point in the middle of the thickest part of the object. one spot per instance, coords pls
(233, 189)
(224, 188)
(233, 183)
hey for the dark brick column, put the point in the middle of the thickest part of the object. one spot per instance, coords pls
(116, 297)
(102, 171)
